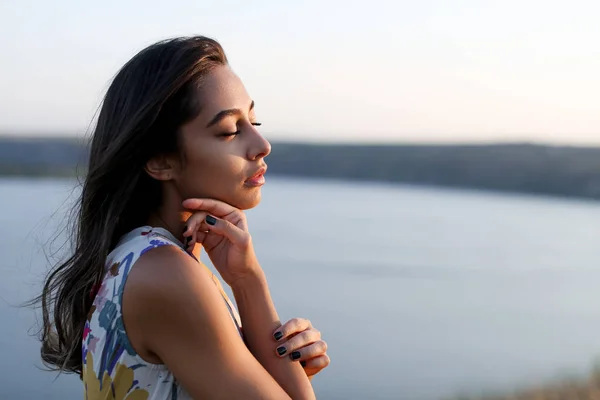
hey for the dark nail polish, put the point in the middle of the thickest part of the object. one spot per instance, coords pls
(211, 220)
(281, 350)
(278, 335)
(187, 241)
(303, 363)
(185, 228)
(295, 355)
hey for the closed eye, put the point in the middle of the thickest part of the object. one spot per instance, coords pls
(229, 134)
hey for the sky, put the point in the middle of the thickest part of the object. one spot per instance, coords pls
(397, 71)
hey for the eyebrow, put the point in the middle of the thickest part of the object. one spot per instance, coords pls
(227, 113)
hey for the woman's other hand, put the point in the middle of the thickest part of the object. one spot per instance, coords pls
(300, 341)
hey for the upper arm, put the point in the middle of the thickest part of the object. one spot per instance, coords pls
(186, 324)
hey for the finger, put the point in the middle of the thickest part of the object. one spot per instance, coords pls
(302, 339)
(210, 240)
(217, 208)
(193, 225)
(291, 327)
(201, 236)
(194, 222)
(225, 228)
(307, 350)
(308, 343)
(317, 363)
(197, 237)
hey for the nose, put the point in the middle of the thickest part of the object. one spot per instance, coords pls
(259, 147)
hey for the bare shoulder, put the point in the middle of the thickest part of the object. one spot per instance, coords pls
(161, 289)
(165, 270)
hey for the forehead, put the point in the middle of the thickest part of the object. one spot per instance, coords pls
(221, 90)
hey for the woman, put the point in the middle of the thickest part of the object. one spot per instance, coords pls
(134, 312)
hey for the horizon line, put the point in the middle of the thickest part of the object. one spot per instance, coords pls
(353, 142)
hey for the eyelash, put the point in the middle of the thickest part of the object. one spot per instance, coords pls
(238, 132)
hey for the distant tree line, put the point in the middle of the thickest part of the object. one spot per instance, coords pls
(527, 168)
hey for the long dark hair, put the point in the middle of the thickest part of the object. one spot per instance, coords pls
(150, 98)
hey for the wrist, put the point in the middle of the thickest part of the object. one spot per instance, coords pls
(252, 278)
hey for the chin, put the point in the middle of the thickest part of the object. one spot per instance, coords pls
(248, 201)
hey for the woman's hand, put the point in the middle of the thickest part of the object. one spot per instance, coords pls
(223, 232)
(298, 340)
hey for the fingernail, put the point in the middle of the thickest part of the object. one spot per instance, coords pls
(187, 241)
(295, 355)
(185, 228)
(281, 350)
(211, 220)
(278, 335)
(303, 363)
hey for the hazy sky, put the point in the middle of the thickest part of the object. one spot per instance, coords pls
(418, 70)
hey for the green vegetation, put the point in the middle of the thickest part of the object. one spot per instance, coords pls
(565, 389)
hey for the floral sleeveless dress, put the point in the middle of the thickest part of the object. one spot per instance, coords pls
(111, 367)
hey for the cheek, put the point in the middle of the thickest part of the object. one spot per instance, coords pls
(212, 174)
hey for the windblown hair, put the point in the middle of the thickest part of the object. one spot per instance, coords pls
(148, 101)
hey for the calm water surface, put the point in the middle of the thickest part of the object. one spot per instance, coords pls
(420, 293)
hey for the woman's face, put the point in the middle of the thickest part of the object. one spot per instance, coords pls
(223, 151)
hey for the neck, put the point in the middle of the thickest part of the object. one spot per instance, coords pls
(172, 217)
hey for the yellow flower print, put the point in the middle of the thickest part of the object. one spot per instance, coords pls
(121, 383)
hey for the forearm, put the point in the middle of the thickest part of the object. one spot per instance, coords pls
(259, 321)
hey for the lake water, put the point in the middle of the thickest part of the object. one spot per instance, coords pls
(420, 293)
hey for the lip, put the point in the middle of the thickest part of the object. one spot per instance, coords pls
(258, 179)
